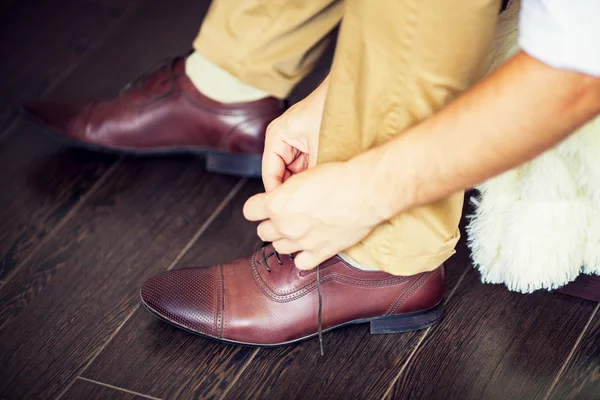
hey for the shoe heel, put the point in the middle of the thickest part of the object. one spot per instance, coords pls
(407, 322)
(245, 165)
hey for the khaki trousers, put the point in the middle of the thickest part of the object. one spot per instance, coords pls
(396, 63)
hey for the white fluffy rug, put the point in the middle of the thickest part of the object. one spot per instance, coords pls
(538, 225)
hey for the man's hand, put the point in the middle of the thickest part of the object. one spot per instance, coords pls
(291, 142)
(317, 213)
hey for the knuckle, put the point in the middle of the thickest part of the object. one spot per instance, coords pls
(271, 206)
(288, 233)
(294, 234)
(272, 127)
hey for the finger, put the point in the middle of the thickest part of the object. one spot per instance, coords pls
(285, 246)
(299, 164)
(287, 175)
(254, 209)
(276, 158)
(267, 232)
(306, 260)
(273, 170)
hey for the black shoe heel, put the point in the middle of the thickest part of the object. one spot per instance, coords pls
(407, 322)
(245, 165)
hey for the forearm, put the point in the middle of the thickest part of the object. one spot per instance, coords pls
(518, 112)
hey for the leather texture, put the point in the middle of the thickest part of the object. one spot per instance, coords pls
(243, 302)
(162, 111)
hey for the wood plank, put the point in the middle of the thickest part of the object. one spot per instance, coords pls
(154, 32)
(155, 358)
(354, 362)
(496, 344)
(46, 38)
(83, 389)
(8, 117)
(114, 3)
(43, 179)
(581, 376)
(5, 5)
(33, 202)
(585, 286)
(41, 182)
(62, 307)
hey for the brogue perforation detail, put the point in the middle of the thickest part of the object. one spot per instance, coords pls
(220, 300)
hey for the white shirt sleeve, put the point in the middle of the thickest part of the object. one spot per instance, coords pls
(562, 33)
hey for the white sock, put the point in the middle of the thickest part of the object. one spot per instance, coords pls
(356, 264)
(218, 84)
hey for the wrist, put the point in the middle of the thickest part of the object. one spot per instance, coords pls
(377, 184)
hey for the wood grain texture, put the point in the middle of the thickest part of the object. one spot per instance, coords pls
(61, 308)
(585, 286)
(42, 178)
(43, 39)
(87, 390)
(581, 377)
(155, 358)
(41, 182)
(114, 3)
(494, 344)
(5, 5)
(39, 188)
(156, 30)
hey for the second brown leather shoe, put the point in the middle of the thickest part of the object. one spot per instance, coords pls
(162, 112)
(265, 300)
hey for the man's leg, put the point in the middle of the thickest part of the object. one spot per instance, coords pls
(220, 100)
(269, 45)
(396, 64)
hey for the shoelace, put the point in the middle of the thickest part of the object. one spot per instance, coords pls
(138, 82)
(320, 314)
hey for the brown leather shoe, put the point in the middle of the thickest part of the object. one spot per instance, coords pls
(162, 112)
(264, 300)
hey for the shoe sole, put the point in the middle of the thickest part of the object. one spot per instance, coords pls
(221, 162)
(400, 323)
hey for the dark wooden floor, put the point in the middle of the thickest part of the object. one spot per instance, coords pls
(82, 231)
